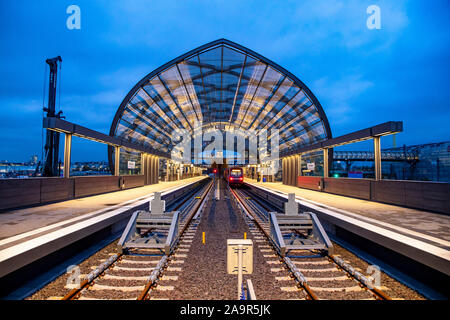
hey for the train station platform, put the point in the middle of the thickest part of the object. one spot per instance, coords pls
(22, 221)
(28, 234)
(395, 232)
(430, 227)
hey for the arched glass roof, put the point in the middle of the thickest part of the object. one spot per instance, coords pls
(224, 85)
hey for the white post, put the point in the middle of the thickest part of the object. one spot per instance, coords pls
(326, 169)
(116, 161)
(67, 152)
(377, 157)
(240, 252)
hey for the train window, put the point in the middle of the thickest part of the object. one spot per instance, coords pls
(236, 173)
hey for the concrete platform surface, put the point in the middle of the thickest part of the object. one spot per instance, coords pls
(24, 223)
(417, 235)
(50, 228)
(427, 226)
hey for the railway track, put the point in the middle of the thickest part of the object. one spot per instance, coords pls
(195, 270)
(138, 273)
(317, 276)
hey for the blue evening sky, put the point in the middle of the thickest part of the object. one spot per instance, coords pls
(361, 77)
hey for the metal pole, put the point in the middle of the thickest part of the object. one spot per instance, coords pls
(67, 153)
(377, 157)
(325, 163)
(51, 165)
(149, 168)
(300, 165)
(240, 248)
(117, 161)
(156, 176)
(152, 174)
(143, 167)
(293, 173)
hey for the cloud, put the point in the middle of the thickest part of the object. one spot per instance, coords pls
(352, 70)
(337, 96)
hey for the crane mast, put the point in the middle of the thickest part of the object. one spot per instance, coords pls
(52, 139)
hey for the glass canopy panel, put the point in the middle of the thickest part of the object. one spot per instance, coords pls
(233, 62)
(211, 63)
(225, 86)
(254, 72)
(280, 97)
(177, 91)
(268, 85)
(196, 74)
(191, 76)
(155, 113)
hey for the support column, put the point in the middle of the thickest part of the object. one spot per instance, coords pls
(155, 169)
(289, 165)
(293, 172)
(288, 171)
(297, 168)
(116, 161)
(67, 153)
(143, 167)
(167, 170)
(284, 169)
(156, 176)
(300, 165)
(377, 157)
(150, 169)
(326, 169)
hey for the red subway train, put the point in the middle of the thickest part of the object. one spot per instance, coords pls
(234, 176)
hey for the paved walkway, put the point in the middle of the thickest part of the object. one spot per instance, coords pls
(427, 226)
(21, 221)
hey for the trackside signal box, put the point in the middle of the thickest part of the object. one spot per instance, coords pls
(234, 249)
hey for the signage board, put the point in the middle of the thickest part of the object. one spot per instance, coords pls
(131, 164)
(233, 255)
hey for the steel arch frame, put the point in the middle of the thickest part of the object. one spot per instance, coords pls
(204, 47)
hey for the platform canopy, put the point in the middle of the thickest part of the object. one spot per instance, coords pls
(222, 85)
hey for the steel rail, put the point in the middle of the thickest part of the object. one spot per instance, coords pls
(358, 277)
(166, 259)
(99, 271)
(75, 292)
(302, 283)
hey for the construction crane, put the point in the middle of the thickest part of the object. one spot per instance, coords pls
(51, 165)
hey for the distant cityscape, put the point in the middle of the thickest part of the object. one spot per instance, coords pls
(33, 168)
(425, 162)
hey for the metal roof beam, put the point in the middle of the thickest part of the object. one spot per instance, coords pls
(64, 126)
(382, 129)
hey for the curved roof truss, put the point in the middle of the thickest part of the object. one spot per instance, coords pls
(220, 84)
